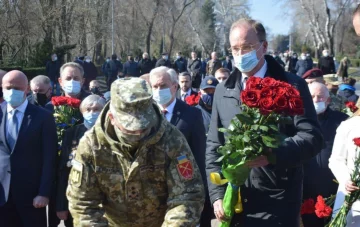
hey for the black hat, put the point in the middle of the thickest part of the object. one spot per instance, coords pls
(164, 54)
(209, 82)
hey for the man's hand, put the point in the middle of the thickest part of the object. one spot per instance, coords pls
(350, 186)
(62, 215)
(219, 210)
(260, 161)
(40, 201)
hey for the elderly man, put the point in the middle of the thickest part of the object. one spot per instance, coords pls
(222, 74)
(271, 196)
(326, 63)
(53, 72)
(134, 167)
(2, 101)
(71, 80)
(41, 92)
(194, 68)
(185, 86)
(186, 118)
(314, 75)
(27, 156)
(94, 87)
(145, 64)
(318, 178)
(213, 65)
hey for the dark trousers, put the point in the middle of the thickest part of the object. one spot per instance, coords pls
(207, 213)
(54, 221)
(21, 215)
(109, 81)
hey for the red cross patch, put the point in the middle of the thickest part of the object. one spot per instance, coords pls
(185, 168)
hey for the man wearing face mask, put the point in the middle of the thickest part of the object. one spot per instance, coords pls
(90, 108)
(222, 74)
(164, 61)
(207, 90)
(71, 81)
(53, 72)
(28, 147)
(186, 118)
(94, 88)
(326, 63)
(41, 92)
(131, 68)
(303, 65)
(145, 64)
(90, 72)
(292, 63)
(180, 64)
(318, 178)
(194, 68)
(271, 196)
(136, 165)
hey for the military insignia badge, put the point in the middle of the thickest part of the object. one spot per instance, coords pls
(76, 173)
(185, 168)
(209, 82)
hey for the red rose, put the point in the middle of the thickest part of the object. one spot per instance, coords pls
(192, 100)
(75, 103)
(296, 106)
(281, 104)
(284, 84)
(308, 207)
(250, 98)
(266, 105)
(321, 209)
(59, 100)
(357, 141)
(269, 82)
(292, 92)
(253, 83)
(279, 91)
(352, 106)
(266, 92)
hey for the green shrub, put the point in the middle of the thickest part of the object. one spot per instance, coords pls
(355, 62)
(32, 72)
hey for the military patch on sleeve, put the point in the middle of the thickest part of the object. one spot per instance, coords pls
(185, 168)
(76, 173)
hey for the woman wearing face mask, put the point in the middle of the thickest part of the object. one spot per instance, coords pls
(207, 90)
(90, 109)
(303, 65)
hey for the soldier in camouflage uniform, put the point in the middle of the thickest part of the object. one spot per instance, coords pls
(133, 167)
(337, 102)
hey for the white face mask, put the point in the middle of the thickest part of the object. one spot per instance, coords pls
(326, 54)
(303, 57)
(162, 96)
(72, 87)
(320, 107)
(87, 60)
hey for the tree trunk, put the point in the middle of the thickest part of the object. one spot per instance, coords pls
(150, 27)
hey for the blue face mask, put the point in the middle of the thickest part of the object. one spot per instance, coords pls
(162, 96)
(90, 119)
(14, 97)
(207, 99)
(247, 62)
(72, 87)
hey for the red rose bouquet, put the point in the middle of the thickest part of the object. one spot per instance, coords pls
(193, 100)
(340, 218)
(350, 109)
(266, 103)
(66, 113)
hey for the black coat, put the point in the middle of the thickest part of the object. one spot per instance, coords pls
(145, 66)
(180, 65)
(271, 195)
(327, 65)
(163, 62)
(292, 64)
(53, 70)
(302, 66)
(131, 68)
(318, 178)
(194, 68)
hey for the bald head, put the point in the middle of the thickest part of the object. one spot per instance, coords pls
(319, 92)
(2, 74)
(15, 87)
(213, 56)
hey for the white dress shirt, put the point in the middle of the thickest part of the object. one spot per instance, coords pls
(19, 115)
(260, 73)
(170, 110)
(188, 93)
(342, 159)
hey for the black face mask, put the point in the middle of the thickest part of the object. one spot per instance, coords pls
(95, 90)
(41, 99)
(1, 92)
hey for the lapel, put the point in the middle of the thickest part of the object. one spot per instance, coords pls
(177, 112)
(24, 124)
(3, 130)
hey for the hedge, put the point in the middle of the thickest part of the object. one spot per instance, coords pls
(29, 72)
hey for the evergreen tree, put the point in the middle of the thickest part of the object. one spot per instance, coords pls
(207, 21)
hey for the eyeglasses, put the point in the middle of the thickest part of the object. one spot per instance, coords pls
(236, 51)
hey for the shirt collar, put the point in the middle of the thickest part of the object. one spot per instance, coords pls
(261, 73)
(170, 108)
(20, 108)
(188, 92)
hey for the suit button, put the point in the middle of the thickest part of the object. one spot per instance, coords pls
(245, 200)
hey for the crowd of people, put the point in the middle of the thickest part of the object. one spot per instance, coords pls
(142, 152)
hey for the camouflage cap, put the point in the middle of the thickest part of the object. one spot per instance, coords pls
(131, 103)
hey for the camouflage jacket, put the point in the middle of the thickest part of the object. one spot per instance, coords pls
(159, 186)
(337, 102)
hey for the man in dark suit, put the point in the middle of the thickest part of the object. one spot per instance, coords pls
(186, 118)
(27, 156)
(185, 86)
(272, 194)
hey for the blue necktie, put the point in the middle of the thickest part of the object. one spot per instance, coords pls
(13, 129)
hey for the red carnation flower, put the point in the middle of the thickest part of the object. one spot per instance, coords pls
(253, 83)
(308, 207)
(250, 97)
(192, 100)
(352, 106)
(296, 106)
(321, 209)
(357, 141)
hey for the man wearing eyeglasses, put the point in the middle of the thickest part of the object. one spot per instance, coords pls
(272, 194)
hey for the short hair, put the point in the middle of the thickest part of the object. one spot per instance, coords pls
(92, 100)
(41, 79)
(114, 57)
(322, 86)
(256, 25)
(223, 70)
(350, 81)
(185, 74)
(165, 70)
(146, 54)
(357, 10)
(95, 82)
(72, 65)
